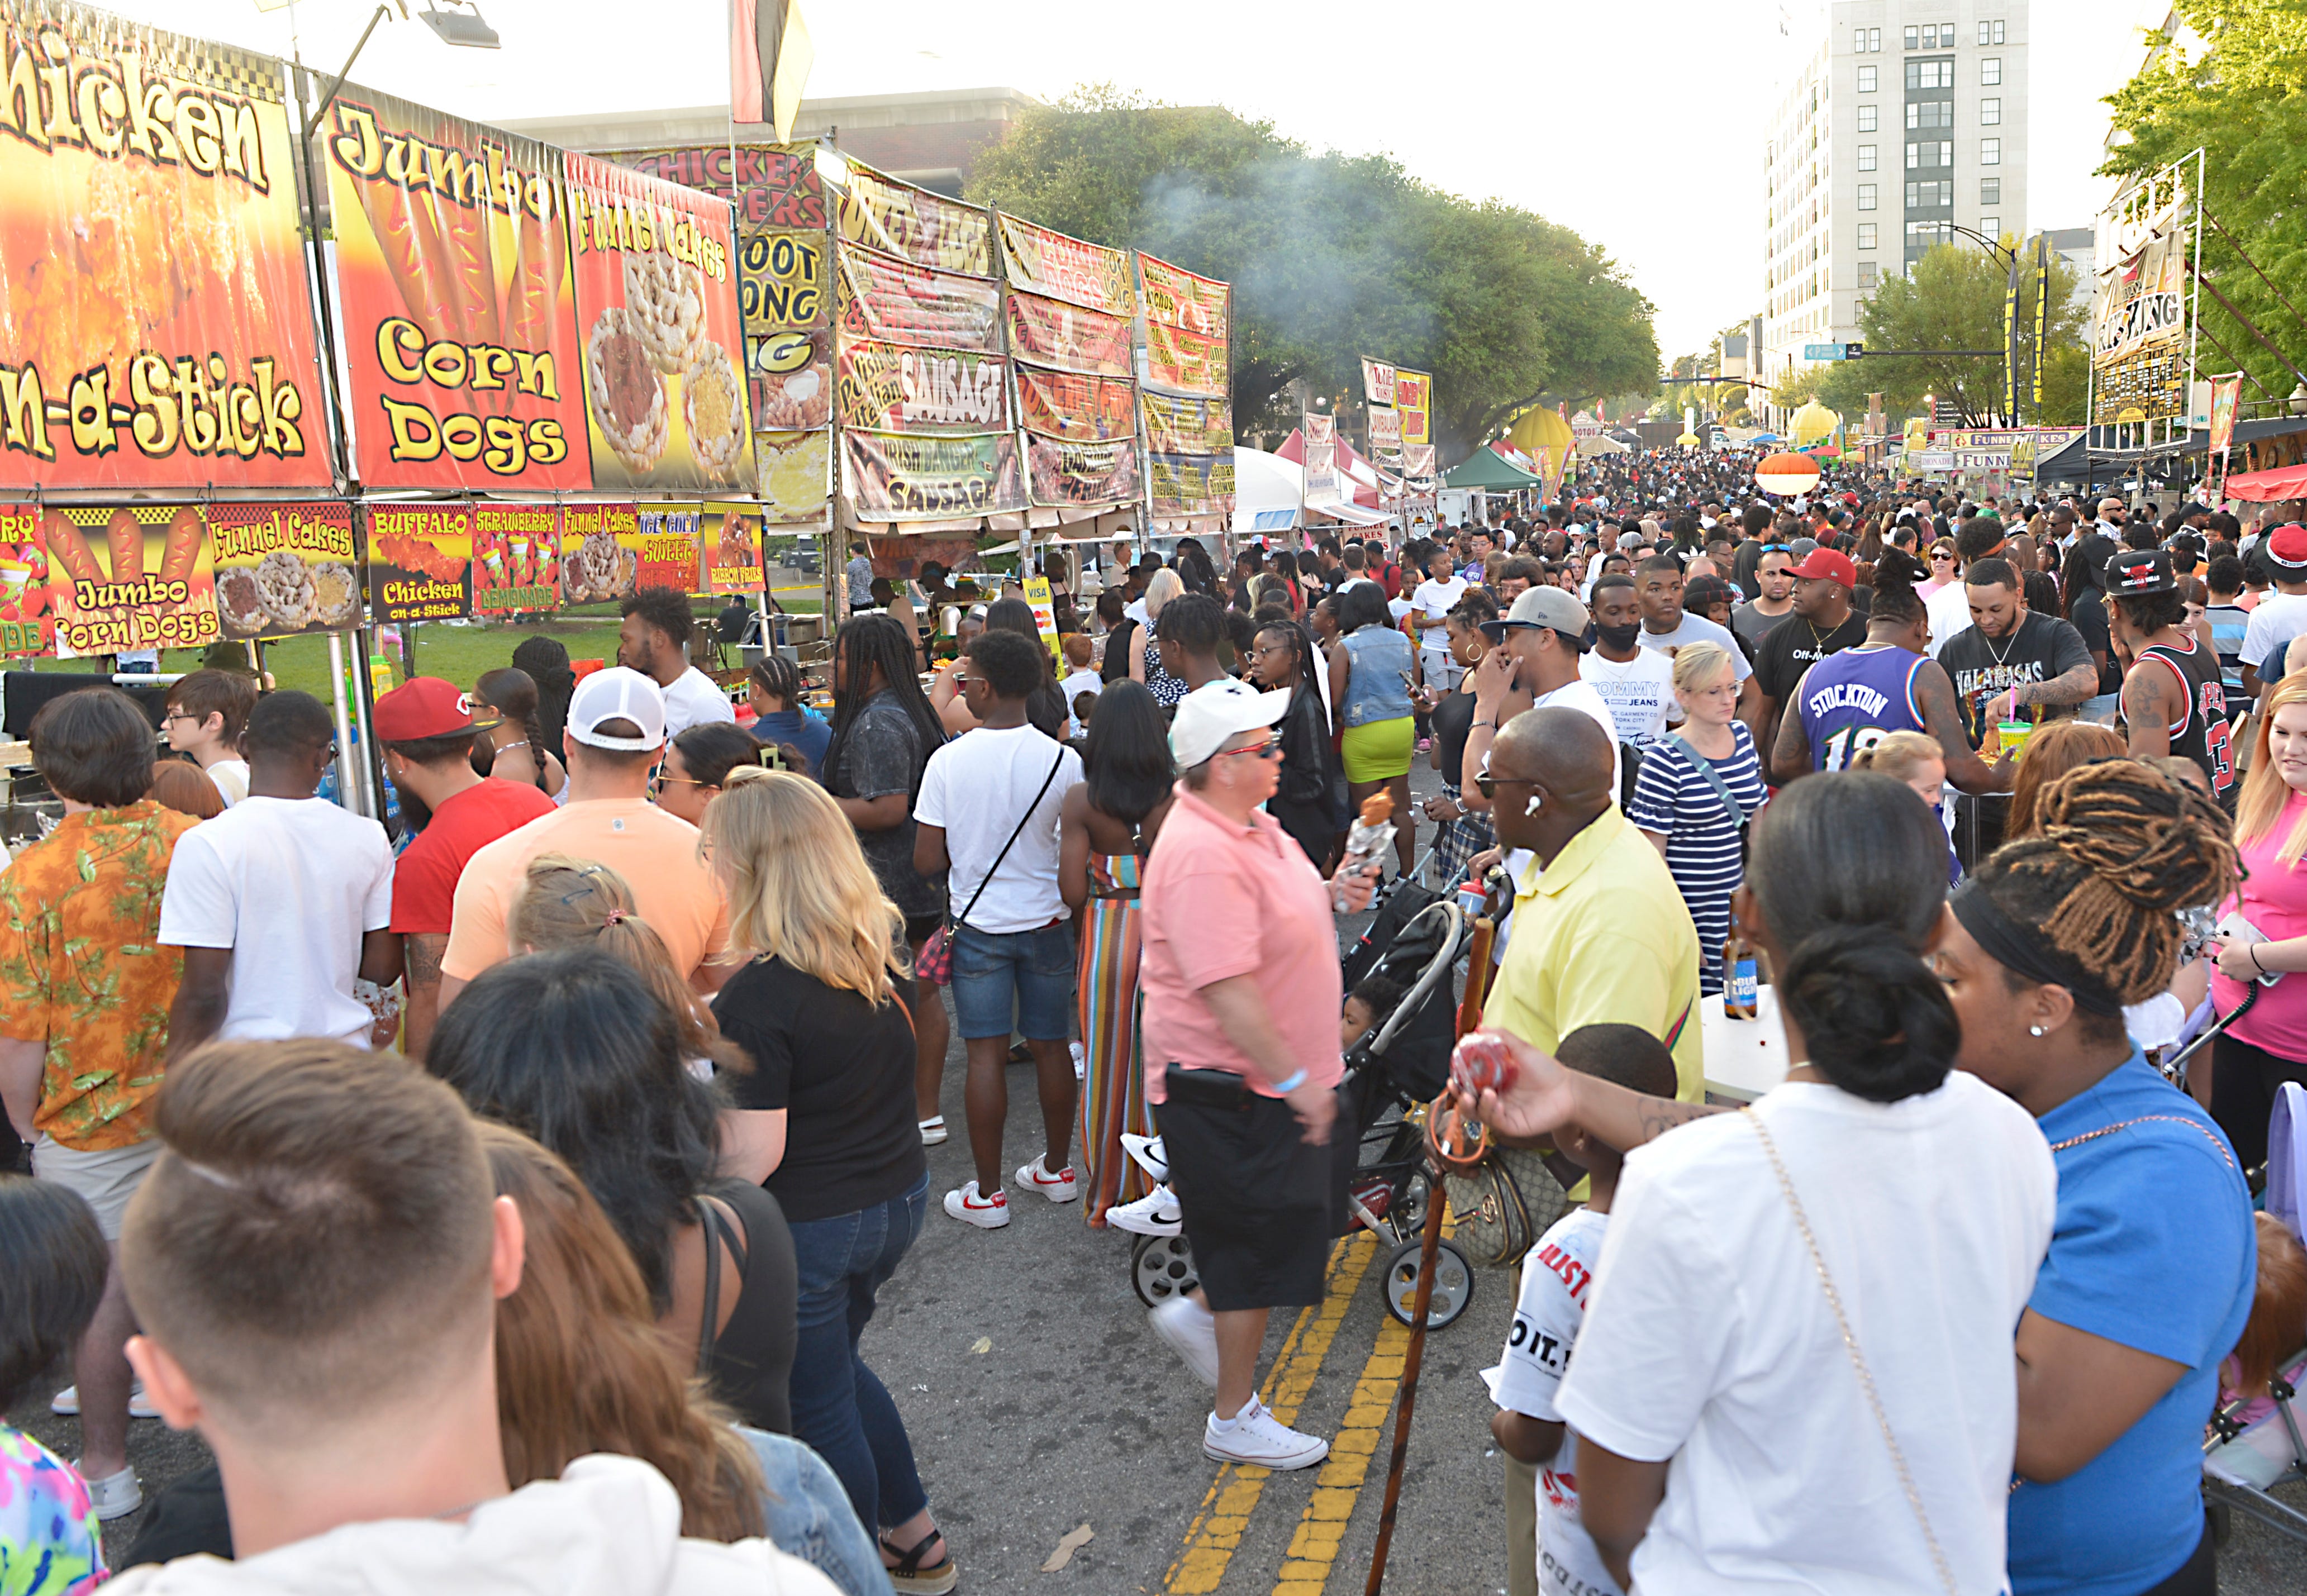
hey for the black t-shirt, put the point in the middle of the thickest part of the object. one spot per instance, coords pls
(1793, 646)
(843, 1070)
(2043, 648)
(2090, 618)
(1453, 723)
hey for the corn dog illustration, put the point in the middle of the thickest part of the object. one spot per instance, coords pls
(127, 533)
(182, 551)
(69, 547)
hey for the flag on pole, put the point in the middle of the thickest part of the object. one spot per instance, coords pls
(770, 58)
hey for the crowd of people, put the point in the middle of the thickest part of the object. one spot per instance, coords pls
(529, 1174)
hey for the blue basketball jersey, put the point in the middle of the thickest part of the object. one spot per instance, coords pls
(1850, 701)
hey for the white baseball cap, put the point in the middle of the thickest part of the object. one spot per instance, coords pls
(1208, 715)
(618, 693)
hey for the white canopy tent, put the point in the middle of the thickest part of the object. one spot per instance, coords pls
(1268, 492)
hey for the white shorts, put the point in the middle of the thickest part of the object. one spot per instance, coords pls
(106, 1179)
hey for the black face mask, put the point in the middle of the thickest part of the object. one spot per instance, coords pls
(1619, 638)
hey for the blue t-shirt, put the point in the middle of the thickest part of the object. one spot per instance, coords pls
(799, 727)
(2153, 1249)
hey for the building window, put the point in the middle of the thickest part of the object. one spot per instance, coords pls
(1990, 71)
(1867, 80)
(1990, 152)
(1930, 194)
(1937, 73)
(1866, 122)
(1989, 192)
(1867, 234)
(1912, 41)
(1866, 158)
(1922, 234)
(1874, 40)
(1990, 33)
(1990, 113)
(1930, 113)
(1867, 274)
(1867, 196)
(1858, 46)
(1992, 226)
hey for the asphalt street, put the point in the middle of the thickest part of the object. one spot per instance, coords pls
(1039, 1403)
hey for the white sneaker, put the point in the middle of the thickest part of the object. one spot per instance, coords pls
(933, 1131)
(67, 1402)
(1192, 1334)
(1060, 1187)
(1156, 1213)
(986, 1214)
(1152, 1156)
(1258, 1438)
(115, 1495)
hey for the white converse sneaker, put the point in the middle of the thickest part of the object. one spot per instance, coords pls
(1156, 1213)
(115, 1495)
(1191, 1333)
(1152, 1156)
(67, 1402)
(985, 1213)
(1257, 1437)
(1060, 1187)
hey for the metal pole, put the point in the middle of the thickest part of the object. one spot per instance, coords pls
(2195, 310)
(347, 794)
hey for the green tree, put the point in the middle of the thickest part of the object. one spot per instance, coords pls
(1953, 299)
(2241, 97)
(1332, 258)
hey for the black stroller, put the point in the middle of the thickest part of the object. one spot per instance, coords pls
(1415, 940)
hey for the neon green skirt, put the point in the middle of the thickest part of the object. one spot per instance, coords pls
(1380, 749)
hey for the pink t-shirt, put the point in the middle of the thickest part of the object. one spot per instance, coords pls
(1219, 900)
(2274, 899)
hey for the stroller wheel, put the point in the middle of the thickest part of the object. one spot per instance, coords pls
(1162, 1268)
(1453, 1284)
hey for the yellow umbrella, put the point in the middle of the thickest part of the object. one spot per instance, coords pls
(1812, 422)
(1687, 440)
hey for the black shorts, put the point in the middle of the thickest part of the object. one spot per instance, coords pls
(918, 928)
(1261, 1206)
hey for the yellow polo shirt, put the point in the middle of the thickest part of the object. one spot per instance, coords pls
(1601, 936)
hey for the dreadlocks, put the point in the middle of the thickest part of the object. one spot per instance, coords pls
(865, 642)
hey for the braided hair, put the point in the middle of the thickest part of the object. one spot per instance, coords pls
(511, 692)
(2118, 850)
(1895, 573)
(779, 678)
(863, 642)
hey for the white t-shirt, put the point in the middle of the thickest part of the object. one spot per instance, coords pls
(1074, 686)
(1710, 1342)
(694, 701)
(1640, 692)
(977, 786)
(1432, 600)
(289, 885)
(1948, 610)
(1698, 628)
(1552, 1308)
(2275, 621)
(1580, 695)
(231, 779)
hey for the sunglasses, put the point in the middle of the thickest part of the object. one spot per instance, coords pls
(1268, 750)
(1488, 784)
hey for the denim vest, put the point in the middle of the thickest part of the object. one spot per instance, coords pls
(1375, 688)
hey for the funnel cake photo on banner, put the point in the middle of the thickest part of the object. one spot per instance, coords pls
(628, 395)
(713, 406)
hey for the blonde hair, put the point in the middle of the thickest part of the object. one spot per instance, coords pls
(1695, 666)
(1163, 586)
(1898, 754)
(799, 887)
(566, 901)
(2264, 791)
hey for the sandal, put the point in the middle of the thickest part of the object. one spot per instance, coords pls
(933, 1131)
(909, 1576)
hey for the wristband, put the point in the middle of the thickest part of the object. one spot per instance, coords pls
(2252, 949)
(1283, 1088)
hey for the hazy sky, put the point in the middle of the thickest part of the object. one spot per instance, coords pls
(1637, 124)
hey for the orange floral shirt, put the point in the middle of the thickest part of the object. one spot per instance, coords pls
(82, 971)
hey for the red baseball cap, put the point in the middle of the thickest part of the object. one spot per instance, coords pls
(427, 707)
(2287, 545)
(1829, 563)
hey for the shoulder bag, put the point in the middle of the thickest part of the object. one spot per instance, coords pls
(1712, 777)
(935, 965)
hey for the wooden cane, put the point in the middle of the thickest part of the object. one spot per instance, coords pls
(1469, 1015)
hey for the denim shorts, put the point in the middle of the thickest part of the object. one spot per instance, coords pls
(1028, 975)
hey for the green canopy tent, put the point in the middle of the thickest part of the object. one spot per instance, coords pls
(1488, 469)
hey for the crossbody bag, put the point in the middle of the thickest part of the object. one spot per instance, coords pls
(1713, 778)
(935, 965)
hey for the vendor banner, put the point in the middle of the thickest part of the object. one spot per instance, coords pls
(895, 303)
(28, 622)
(913, 223)
(1190, 483)
(420, 561)
(1176, 297)
(1188, 361)
(1377, 383)
(140, 578)
(1414, 403)
(282, 570)
(890, 478)
(771, 185)
(516, 559)
(790, 375)
(1051, 332)
(796, 477)
(731, 534)
(1058, 267)
(2225, 392)
(882, 388)
(2142, 356)
(598, 562)
(1418, 461)
(454, 305)
(664, 546)
(1384, 434)
(1075, 404)
(783, 280)
(1176, 425)
(1319, 438)
(155, 327)
(656, 273)
(1074, 473)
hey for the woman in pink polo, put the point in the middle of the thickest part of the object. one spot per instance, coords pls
(1242, 992)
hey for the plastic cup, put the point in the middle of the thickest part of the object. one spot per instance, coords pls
(2013, 735)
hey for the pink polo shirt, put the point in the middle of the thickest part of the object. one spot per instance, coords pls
(1221, 899)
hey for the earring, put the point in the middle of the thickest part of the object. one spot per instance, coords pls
(2034, 1030)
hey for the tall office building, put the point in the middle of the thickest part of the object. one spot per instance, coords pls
(1897, 121)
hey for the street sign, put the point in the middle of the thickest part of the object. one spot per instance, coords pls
(1834, 351)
